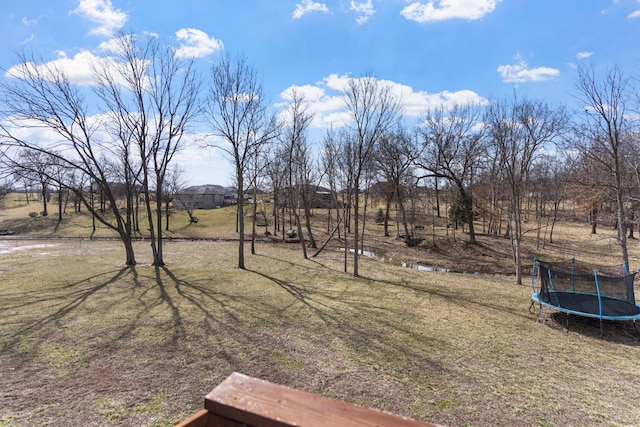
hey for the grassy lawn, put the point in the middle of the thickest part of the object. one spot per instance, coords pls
(87, 341)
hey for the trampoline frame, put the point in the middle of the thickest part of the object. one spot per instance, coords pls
(596, 314)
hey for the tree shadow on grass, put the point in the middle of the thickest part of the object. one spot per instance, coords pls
(302, 295)
(450, 296)
(358, 324)
(475, 300)
(218, 319)
(77, 296)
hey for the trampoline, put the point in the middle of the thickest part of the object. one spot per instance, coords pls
(603, 296)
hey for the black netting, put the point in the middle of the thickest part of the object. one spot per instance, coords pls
(565, 285)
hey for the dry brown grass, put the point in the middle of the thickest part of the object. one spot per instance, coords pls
(87, 341)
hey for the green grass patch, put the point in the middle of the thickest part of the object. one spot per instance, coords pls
(286, 361)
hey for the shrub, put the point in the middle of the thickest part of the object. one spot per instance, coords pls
(33, 214)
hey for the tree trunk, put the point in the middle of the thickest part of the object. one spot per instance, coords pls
(328, 239)
(44, 199)
(467, 204)
(356, 223)
(387, 212)
(254, 209)
(303, 244)
(437, 193)
(240, 215)
(159, 262)
(622, 230)
(516, 238)
(553, 222)
(128, 248)
(60, 205)
(403, 216)
(307, 221)
(166, 215)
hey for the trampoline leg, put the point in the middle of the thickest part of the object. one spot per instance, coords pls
(567, 322)
(601, 330)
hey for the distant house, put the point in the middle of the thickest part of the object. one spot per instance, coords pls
(318, 197)
(203, 197)
(323, 198)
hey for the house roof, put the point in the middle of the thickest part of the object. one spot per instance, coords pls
(205, 189)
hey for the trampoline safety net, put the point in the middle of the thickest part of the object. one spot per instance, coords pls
(561, 285)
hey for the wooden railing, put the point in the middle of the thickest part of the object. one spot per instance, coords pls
(242, 401)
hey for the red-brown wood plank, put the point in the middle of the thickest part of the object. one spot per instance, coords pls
(199, 419)
(259, 403)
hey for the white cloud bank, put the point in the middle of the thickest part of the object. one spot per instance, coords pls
(325, 100)
(102, 13)
(77, 68)
(308, 6)
(196, 43)
(521, 73)
(443, 10)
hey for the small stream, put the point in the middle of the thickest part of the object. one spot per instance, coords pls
(419, 267)
(400, 263)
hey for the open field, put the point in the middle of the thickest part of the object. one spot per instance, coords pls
(85, 340)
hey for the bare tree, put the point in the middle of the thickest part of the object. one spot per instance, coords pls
(237, 113)
(454, 147)
(606, 135)
(42, 96)
(154, 100)
(36, 166)
(518, 130)
(174, 182)
(373, 110)
(276, 175)
(296, 148)
(329, 161)
(256, 168)
(553, 174)
(394, 156)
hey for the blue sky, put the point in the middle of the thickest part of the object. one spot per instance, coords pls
(433, 52)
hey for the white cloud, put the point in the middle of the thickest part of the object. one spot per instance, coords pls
(308, 6)
(634, 14)
(198, 152)
(196, 43)
(337, 82)
(77, 69)
(363, 10)
(520, 72)
(309, 92)
(29, 39)
(113, 45)
(26, 21)
(101, 12)
(46, 137)
(584, 55)
(448, 9)
(325, 100)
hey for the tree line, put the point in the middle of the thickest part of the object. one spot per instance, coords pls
(113, 146)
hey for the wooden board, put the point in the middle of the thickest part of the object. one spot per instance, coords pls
(258, 403)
